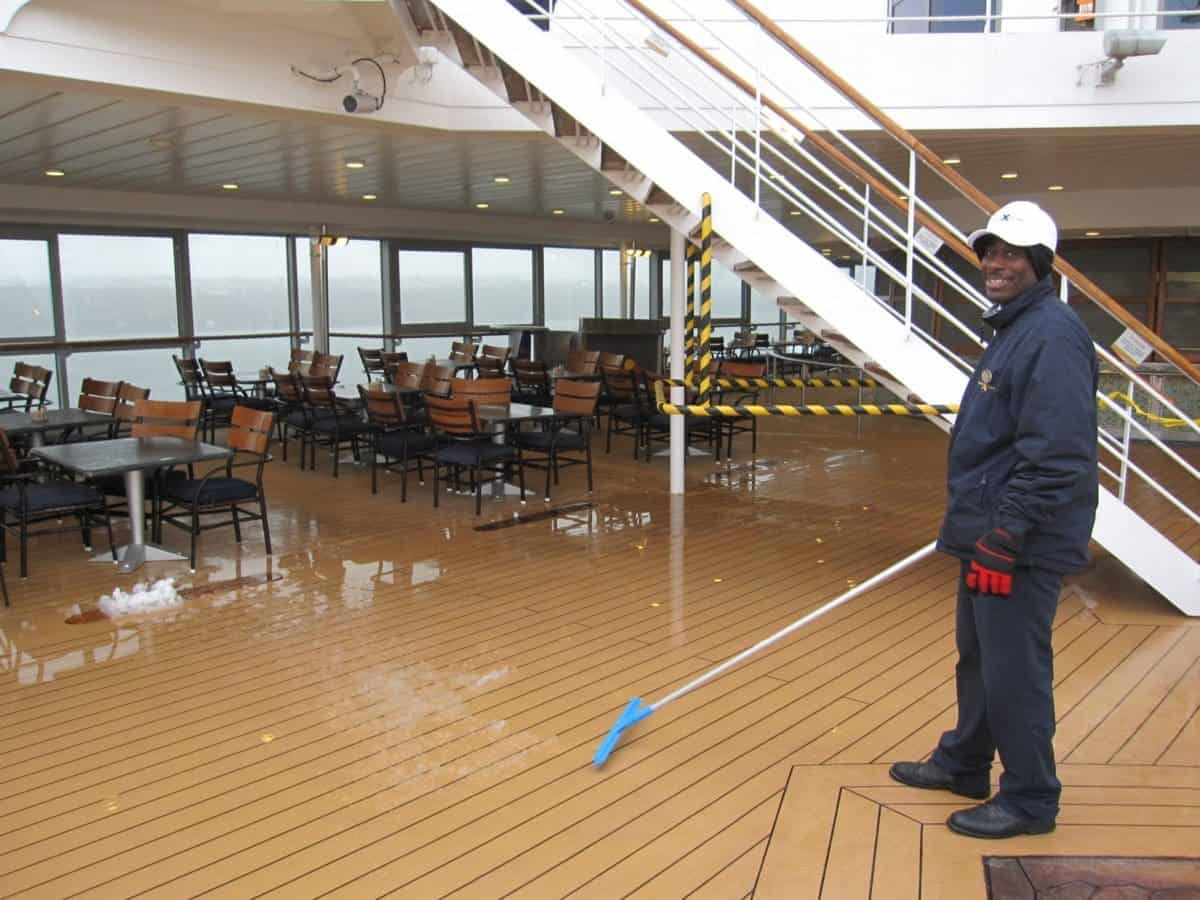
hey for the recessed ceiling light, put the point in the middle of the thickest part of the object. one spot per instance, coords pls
(1055, 187)
(795, 212)
(655, 219)
(482, 205)
(1091, 234)
(55, 173)
(355, 164)
(1010, 176)
(501, 179)
(952, 161)
(558, 212)
(615, 192)
(827, 252)
(229, 187)
(844, 257)
(370, 197)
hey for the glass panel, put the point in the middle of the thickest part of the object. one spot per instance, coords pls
(45, 360)
(640, 273)
(433, 286)
(348, 348)
(26, 307)
(726, 292)
(570, 277)
(764, 312)
(116, 286)
(304, 282)
(1083, 21)
(960, 8)
(1103, 328)
(356, 289)
(1123, 269)
(249, 354)
(1181, 327)
(150, 368)
(420, 349)
(1190, 17)
(239, 283)
(611, 284)
(901, 8)
(503, 286)
(1183, 267)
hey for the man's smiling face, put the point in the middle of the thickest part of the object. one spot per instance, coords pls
(1007, 271)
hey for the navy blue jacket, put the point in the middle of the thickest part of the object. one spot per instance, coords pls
(1023, 448)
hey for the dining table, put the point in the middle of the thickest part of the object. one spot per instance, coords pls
(498, 418)
(38, 422)
(132, 458)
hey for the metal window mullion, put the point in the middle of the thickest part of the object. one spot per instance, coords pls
(60, 318)
(598, 269)
(183, 292)
(293, 291)
(387, 293)
(469, 288)
(539, 285)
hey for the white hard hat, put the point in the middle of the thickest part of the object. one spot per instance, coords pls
(1022, 224)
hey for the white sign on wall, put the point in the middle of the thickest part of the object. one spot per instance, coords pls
(1132, 347)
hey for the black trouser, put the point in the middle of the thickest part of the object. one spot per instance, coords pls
(1005, 678)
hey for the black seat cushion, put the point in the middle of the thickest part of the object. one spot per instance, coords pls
(296, 419)
(55, 495)
(541, 440)
(474, 453)
(260, 403)
(630, 411)
(392, 443)
(342, 424)
(221, 402)
(216, 490)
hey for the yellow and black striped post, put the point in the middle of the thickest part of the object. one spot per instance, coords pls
(689, 337)
(839, 409)
(780, 381)
(704, 354)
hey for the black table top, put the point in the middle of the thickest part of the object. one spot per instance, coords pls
(24, 423)
(94, 458)
(493, 413)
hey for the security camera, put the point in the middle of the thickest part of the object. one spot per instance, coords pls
(1126, 42)
(361, 102)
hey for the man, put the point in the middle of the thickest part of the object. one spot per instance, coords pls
(1022, 494)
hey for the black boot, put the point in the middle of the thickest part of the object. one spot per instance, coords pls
(931, 776)
(991, 820)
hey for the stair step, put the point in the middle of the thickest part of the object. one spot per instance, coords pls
(836, 337)
(515, 85)
(659, 197)
(611, 160)
(749, 267)
(472, 53)
(422, 16)
(876, 369)
(565, 126)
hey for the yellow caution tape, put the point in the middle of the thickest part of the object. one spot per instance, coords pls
(1164, 421)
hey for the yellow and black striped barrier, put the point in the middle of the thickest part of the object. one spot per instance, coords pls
(778, 381)
(704, 354)
(689, 337)
(1164, 421)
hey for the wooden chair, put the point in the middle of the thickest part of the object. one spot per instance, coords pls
(583, 362)
(574, 404)
(531, 382)
(301, 361)
(124, 413)
(31, 384)
(491, 361)
(393, 436)
(438, 381)
(465, 446)
(407, 374)
(372, 363)
(391, 360)
(31, 495)
(291, 412)
(333, 423)
(166, 418)
(485, 391)
(460, 352)
(627, 413)
(611, 360)
(195, 388)
(188, 499)
(326, 365)
(223, 387)
(657, 426)
(100, 398)
(735, 397)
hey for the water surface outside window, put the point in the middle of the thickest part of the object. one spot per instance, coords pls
(433, 286)
(26, 306)
(118, 286)
(239, 283)
(570, 279)
(150, 368)
(355, 299)
(503, 286)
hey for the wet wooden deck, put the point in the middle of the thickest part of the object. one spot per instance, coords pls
(412, 707)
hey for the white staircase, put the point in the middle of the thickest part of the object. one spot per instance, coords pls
(577, 105)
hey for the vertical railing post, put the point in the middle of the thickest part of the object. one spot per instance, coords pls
(758, 129)
(910, 236)
(866, 232)
(705, 354)
(1126, 442)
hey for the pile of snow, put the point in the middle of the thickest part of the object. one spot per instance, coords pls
(160, 595)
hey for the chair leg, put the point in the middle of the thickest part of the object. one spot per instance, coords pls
(266, 526)
(521, 473)
(588, 453)
(437, 477)
(374, 465)
(3, 585)
(24, 548)
(549, 465)
(477, 482)
(237, 526)
(85, 532)
(195, 534)
(403, 471)
(337, 446)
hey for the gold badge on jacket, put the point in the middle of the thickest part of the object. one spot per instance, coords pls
(985, 380)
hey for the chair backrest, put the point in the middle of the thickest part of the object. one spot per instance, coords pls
(99, 396)
(318, 391)
(218, 375)
(531, 376)
(250, 430)
(583, 362)
(576, 398)
(485, 391)
(125, 411)
(460, 352)
(166, 418)
(301, 361)
(372, 361)
(287, 386)
(494, 352)
(192, 377)
(8, 459)
(31, 382)
(438, 380)
(489, 367)
(611, 360)
(619, 383)
(761, 339)
(327, 364)
(391, 359)
(716, 344)
(382, 407)
(454, 416)
(741, 369)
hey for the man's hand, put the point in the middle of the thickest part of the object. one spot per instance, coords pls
(995, 558)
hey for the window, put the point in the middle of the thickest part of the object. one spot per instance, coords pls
(1189, 17)
(1083, 19)
(502, 286)
(764, 311)
(726, 292)
(570, 279)
(433, 286)
(250, 354)
(1124, 270)
(26, 307)
(304, 250)
(639, 272)
(355, 296)
(934, 8)
(1181, 317)
(239, 283)
(151, 368)
(117, 286)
